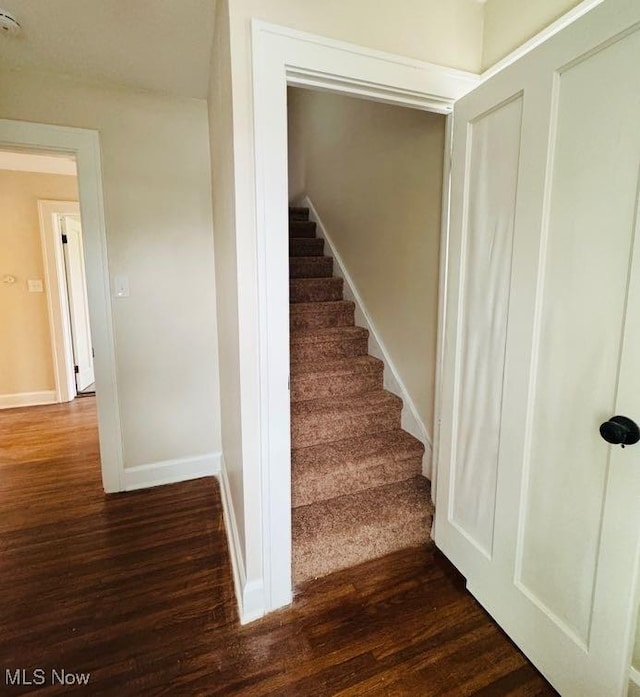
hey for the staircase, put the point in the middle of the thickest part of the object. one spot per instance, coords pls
(357, 488)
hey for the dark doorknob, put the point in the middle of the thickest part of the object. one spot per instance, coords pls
(620, 430)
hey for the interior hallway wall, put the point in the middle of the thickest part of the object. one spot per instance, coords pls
(157, 193)
(223, 196)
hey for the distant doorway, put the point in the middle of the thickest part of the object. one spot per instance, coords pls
(62, 245)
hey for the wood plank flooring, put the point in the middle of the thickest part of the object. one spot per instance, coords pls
(136, 590)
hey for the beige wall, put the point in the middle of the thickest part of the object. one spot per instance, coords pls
(26, 363)
(374, 173)
(508, 24)
(157, 191)
(221, 139)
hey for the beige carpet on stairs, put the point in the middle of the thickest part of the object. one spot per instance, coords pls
(357, 488)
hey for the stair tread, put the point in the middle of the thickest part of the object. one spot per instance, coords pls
(343, 531)
(310, 267)
(312, 280)
(328, 470)
(379, 448)
(306, 247)
(321, 289)
(322, 305)
(302, 229)
(326, 334)
(367, 401)
(335, 366)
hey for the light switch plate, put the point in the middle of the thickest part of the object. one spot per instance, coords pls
(35, 285)
(121, 286)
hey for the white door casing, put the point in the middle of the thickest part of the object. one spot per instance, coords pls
(282, 57)
(78, 301)
(541, 346)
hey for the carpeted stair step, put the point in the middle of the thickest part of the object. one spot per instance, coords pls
(325, 420)
(328, 470)
(339, 313)
(346, 376)
(345, 531)
(328, 343)
(310, 267)
(306, 247)
(298, 212)
(302, 228)
(314, 290)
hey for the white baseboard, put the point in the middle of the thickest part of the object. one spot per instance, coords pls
(27, 399)
(411, 422)
(171, 471)
(249, 595)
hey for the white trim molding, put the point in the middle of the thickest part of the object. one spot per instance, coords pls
(249, 595)
(411, 421)
(342, 67)
(84, 145)
(171, 471)
(27, 399)
(280, 57)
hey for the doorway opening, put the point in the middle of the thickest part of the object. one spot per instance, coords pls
(48, 353)
(365, 183)
(68, 304)
(42, 287)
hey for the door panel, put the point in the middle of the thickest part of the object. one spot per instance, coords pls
(78, 302)
(586, 272)
(483, 306)
(542, 345)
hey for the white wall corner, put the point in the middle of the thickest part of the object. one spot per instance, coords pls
(249, 595)
(411, 421)
(27, 399)
(171, 471)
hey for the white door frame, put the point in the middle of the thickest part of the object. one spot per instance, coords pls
(49, 213)
(284, 57)
(85, 146)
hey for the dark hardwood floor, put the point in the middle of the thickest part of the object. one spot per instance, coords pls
(136, 590)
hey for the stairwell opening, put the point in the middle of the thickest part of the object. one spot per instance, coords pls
(365, 192)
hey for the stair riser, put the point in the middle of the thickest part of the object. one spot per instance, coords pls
(306, 247)
(298, 213)
(349, 531)
(341, 316)
(320, 428)
(316, 386)
(327, 350)
(312, 486)
(302, 228)
(342, 554)
(315, 290)
(310, 267)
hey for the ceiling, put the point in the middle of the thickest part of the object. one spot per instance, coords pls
(47, 163)
(159, 45)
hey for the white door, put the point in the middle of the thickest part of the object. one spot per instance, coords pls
(78, 302)
(542, 345)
